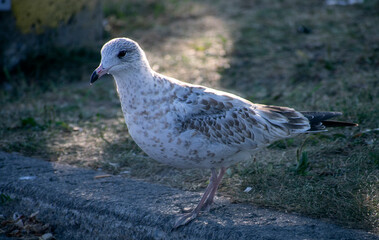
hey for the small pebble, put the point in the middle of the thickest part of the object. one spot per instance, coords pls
(16, 216)
(46, 236)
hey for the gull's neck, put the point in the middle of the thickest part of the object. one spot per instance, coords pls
(131, 84)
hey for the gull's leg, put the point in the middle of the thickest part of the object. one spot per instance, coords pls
(212, 194)
(192, 215)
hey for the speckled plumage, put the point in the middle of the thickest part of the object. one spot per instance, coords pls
(190, 126)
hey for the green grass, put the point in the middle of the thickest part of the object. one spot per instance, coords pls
(252, 48)
(4, 198)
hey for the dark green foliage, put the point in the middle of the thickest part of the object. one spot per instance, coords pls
(4, 198)
(302, 163)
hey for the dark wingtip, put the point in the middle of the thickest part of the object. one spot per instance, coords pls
(94, 77)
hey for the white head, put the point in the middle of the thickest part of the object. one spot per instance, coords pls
(120, 54)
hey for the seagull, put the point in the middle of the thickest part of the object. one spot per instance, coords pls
(192, 126)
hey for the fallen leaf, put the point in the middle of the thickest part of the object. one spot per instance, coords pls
(102, 176)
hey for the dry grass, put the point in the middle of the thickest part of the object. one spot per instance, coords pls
(255, 49)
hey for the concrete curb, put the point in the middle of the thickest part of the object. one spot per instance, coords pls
(81, 206)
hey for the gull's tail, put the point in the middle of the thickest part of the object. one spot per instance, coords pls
(319, 120)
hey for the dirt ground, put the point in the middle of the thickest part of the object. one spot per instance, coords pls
(304, 54)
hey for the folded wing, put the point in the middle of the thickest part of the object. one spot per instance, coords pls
(228, 119)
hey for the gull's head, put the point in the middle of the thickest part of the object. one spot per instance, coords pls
(118, 55)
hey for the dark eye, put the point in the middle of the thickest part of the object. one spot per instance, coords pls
(121, 54)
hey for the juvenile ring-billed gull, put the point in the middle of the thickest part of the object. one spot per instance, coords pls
(191, 126)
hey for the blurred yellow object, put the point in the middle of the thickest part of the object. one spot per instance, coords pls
(37, 15)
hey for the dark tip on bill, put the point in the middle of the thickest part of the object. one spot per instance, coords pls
(94, 77)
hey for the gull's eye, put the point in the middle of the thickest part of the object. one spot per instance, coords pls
(121, 54)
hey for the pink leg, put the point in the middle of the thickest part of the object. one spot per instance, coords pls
(211, 196)
(206, 199)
